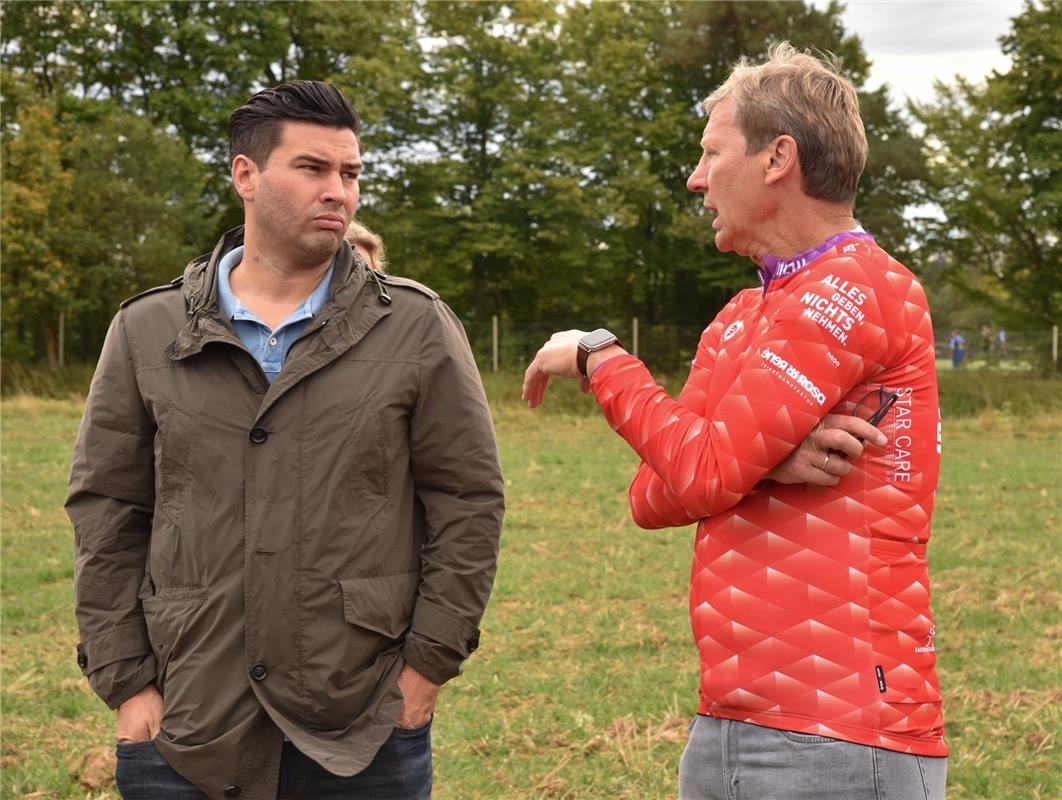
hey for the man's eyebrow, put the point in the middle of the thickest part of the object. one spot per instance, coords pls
(324, 162)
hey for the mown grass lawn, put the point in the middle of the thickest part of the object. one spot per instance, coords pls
(586, 678)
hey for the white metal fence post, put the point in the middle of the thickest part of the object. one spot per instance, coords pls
(494, 342)
(1054, 348)
(62, 337)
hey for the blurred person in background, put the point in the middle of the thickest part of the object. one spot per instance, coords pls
(368, 245)
(957, 344)
(809, 603)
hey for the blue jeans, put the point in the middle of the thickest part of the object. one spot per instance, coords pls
(728, 760)
(401, 770)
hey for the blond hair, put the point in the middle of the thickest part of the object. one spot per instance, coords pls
(364, 239)
(799, 95)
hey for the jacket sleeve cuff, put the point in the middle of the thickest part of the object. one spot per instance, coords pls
(607, 367)
(438, 642)
(118, 662)
(119, 681)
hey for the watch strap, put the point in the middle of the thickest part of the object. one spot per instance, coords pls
(581, 357)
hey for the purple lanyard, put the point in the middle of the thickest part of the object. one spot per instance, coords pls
(774, 268)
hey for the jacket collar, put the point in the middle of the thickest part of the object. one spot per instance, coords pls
(206, 322)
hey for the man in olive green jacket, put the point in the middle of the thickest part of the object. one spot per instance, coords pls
(286, 496)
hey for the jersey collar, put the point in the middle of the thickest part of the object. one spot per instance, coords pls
(774, 268)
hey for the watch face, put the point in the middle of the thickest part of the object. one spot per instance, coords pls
(597, 339)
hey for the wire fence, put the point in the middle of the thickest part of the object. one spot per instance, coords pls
(1026, 350)
(507, 344)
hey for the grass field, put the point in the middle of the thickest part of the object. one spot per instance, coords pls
(586, 678)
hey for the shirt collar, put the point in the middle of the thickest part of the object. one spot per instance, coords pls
(233, 309)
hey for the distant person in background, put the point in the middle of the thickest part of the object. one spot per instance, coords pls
(368, 245)
(986, 340)
(1001, 342)
(958, 349)
(809, 604)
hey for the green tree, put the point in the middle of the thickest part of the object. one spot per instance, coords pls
(995, 151)
(521, 157)
(138, 214)
(187, 65)
(640, 127)
(548, 177)
(92, 207)
(115, 159)
(36, 193)
(477, 202)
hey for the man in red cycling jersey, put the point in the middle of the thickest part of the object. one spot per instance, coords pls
(809, 603)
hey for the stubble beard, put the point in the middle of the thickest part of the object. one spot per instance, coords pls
(303, 249)
(311, 249)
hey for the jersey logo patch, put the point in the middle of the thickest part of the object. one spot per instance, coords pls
(793, 376)
(732, 330)
(929, 645)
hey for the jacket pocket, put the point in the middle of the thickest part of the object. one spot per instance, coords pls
(368, 477)
(170, 615)
(902, 633)
(173, 444)
(381, 604)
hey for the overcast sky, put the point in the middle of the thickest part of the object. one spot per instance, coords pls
(911, 44)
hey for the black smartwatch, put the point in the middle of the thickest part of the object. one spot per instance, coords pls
(591, 343)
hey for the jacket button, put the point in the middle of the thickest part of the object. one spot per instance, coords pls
(82, 659)
(259, 435)
(259, 673)
(232, 791)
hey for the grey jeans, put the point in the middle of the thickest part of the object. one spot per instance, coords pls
(727, 760)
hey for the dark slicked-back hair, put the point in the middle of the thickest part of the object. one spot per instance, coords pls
(254, 127)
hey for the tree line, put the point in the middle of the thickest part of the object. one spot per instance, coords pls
(522, 158)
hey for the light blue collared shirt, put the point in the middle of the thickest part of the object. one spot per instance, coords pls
(270, 348)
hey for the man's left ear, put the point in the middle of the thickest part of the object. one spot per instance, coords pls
(782, 159)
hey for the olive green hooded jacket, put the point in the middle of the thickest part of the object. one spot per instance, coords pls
(270, 555)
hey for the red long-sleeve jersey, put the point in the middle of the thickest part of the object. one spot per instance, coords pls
(809, 605)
